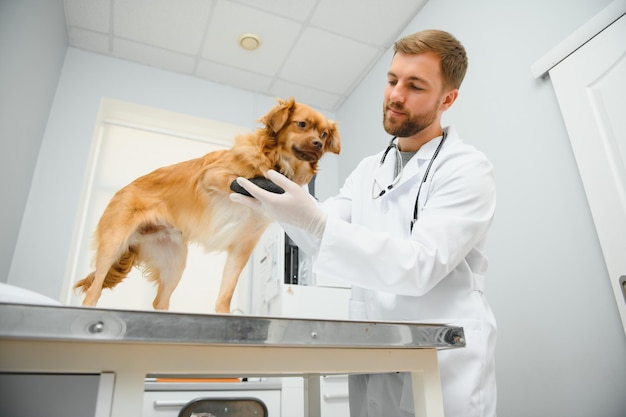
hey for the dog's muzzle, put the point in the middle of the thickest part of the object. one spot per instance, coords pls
(312, 154)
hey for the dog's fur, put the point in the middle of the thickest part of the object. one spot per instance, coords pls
(149, 222)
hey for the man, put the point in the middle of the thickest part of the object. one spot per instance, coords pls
(407, 230)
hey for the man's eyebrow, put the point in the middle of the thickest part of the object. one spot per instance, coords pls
(411, 78)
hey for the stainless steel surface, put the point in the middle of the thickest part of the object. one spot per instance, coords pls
(19, 321)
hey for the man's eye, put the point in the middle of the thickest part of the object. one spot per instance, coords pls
(392, 82)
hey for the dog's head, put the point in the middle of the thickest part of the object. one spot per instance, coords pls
(298, 136)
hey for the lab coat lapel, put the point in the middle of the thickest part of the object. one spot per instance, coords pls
(384, 174)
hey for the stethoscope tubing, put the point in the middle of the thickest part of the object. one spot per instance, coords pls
(396, 180)
(399, 169)
(430, 164)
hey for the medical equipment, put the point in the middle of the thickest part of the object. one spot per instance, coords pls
(399, 169)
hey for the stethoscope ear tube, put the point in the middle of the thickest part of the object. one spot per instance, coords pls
(392, 144)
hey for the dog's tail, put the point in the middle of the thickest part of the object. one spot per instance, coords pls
(116, 273)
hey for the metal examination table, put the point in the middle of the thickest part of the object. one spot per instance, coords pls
(131, 344)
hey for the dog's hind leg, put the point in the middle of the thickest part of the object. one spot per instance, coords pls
(111, 268)
(114, 257)
(164, 261)
(169, 278)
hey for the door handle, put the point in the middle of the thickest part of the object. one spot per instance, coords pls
(169, 403)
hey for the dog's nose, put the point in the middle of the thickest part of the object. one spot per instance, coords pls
(317, 144)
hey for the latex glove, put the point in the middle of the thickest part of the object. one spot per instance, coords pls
(295, 206)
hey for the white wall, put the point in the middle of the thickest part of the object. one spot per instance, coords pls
(561, 348)
(43, 244)
(32, 47)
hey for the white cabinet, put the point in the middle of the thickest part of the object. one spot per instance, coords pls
(270, 296)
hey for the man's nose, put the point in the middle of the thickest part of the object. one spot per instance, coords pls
(396, 94)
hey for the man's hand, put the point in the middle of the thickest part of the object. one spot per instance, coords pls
(295, 206)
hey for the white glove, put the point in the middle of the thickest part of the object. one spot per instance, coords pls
(295, 206)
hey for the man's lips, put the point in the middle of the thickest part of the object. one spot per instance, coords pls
(394, 112)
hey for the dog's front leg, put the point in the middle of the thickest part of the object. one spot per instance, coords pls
(235, 262)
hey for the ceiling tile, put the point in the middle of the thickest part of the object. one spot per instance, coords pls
(152, 56)
(88, 14)
(233, 76)
(88, 40)
(327, 62)
(375, 22)
(230, 20)
(174, 25)
(296, 10)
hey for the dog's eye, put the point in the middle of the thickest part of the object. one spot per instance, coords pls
(301, 124)
(323, 135)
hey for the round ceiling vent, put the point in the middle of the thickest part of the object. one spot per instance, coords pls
(249, 41)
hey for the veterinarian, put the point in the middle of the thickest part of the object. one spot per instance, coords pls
(407, 230)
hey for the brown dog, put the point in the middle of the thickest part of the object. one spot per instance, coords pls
(150, 222)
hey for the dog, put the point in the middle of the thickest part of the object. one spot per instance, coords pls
(149, 223)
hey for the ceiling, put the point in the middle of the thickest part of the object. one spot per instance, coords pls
(314, 50)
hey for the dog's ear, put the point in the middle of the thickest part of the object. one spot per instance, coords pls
(278, 115)
(333, 143)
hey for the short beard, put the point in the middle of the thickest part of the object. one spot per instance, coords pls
(411, 126)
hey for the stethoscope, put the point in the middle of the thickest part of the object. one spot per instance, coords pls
(400, 169)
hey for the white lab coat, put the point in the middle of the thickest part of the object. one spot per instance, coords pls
(435, 273)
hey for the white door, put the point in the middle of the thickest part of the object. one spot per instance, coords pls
(591, 89)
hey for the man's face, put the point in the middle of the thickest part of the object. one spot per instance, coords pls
(413, 95)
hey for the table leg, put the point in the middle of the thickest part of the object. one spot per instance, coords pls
(128, 393)
(427, 398)
(312, 394)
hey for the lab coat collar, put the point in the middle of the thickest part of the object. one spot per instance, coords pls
(384, 174)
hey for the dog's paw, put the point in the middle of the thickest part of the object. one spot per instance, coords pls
(260, 182)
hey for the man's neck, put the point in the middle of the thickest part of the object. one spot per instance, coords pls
(415, 142)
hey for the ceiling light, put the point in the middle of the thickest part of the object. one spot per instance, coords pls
(249, 41)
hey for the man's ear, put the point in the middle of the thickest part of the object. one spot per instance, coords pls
(278, 115)
(449, 99)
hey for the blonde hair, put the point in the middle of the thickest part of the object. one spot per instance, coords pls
(449, 49)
